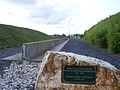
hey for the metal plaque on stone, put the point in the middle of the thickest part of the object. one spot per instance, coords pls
(78, 74)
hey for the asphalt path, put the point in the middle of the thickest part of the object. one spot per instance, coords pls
(10, 51)
(82, 48)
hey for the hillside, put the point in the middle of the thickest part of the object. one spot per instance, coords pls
(12, 36)
(105, 34)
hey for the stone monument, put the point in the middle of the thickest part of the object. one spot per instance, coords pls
(68, 71)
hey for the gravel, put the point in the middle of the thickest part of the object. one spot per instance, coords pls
(18, 75)
(82, 48)
(9, 52)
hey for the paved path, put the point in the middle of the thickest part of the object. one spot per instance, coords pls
(9, 52)
(79, 47)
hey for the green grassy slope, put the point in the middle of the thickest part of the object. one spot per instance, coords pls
(12, 36)
(105, 34)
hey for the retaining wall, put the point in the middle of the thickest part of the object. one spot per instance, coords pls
(34, 49)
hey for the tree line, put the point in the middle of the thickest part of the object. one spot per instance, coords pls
(105, 34)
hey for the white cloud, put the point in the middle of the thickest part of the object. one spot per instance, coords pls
(53, 16)
(49, 15)
(21, 2)
(12, 14)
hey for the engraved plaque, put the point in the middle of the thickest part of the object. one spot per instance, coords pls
(79, 74)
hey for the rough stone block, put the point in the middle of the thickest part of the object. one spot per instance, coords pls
(49, 78)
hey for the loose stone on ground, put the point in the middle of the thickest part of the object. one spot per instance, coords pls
(20, 75)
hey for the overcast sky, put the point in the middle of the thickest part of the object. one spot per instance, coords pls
(55, 16)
